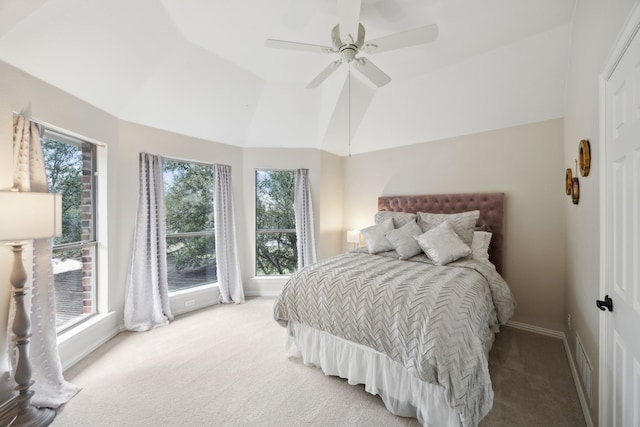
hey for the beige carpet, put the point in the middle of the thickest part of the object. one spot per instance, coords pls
(226, 366)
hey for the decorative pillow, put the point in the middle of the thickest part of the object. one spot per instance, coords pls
(480, 245)
(399, 218)
(403, 240)
(375, 239)
(442, 244)
(463, 223)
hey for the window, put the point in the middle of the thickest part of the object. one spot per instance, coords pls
(70, 165)
(191, 249)
(276, 252)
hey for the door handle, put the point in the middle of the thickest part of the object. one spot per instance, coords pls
(606, 304)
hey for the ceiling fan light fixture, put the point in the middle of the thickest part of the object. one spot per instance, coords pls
(348, 49)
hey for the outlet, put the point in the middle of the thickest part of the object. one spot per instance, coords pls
(569, 320)
(189, 303)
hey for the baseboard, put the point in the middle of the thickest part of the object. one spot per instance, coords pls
(576, 379)
(189, 300)
(537, 329)
(261, 293)
(574, 372)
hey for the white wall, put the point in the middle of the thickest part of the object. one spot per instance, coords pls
(596, 25)
(524, 162)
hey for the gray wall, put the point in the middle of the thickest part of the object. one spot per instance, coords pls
(524, 162)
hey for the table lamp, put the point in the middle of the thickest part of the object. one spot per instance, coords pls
(26, 216)
(353, 236)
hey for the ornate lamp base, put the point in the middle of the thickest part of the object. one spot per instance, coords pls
(28, 415)
(34, 417)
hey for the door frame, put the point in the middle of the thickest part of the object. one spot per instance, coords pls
(629, 30)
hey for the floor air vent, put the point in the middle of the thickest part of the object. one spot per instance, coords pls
(584, 368)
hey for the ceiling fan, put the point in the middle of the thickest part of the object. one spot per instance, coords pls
(348, 39)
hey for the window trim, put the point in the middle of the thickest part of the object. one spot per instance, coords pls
(67, 137)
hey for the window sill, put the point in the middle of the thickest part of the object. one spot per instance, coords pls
(76, 343)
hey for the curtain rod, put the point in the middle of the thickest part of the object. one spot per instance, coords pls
(61, 130)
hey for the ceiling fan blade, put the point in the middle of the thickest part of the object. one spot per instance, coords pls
(348, 20)
(324, 74)
(420, 35)
(305, 47)
(371, 71)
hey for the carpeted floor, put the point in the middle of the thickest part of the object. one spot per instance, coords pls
(226, 366)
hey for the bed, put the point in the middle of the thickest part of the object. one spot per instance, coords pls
(414, 327)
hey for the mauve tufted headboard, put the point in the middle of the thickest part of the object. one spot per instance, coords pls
(490, 205)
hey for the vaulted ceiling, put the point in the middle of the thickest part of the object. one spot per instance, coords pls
(201, 68)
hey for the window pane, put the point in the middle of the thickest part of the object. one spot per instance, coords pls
(188, 189)
(63, 162)
(275, 254)
(190, 261)
(274, 200)
(73, 284)
(69, 163)
(275, 250)
(188, 196)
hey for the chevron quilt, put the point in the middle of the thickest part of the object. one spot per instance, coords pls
(437, 321)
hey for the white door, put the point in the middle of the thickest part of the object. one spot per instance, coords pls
(620, 330)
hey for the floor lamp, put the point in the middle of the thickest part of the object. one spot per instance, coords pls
(26, 216)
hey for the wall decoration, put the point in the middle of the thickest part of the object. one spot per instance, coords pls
(568, 181)
(575, 191)
(584, 155)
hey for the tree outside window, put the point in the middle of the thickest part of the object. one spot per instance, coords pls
(191, 251)
(276, 252)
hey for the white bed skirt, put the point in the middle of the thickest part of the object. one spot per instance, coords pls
(402, 393)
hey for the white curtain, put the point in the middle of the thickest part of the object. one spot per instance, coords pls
(50, 388)
(147, 298)
(306, 244)
(228, 270)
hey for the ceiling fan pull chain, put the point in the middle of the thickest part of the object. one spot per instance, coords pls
(349, 106)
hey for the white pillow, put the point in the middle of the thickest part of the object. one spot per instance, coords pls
(375, 239)
(463, 223)
(403, 240)
(480, 245)
(442, 245)
(399, 218)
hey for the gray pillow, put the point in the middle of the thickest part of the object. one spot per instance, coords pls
(403, 240)
(442, 244)
(399, 218)
(480, 245)
(375, 239)
(463, 223)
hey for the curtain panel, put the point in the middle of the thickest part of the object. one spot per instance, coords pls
(49, 387)
(147, 296)
(306, 244)
(228, 269)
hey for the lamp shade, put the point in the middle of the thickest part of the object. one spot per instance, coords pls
(29, 215)
(353, 236)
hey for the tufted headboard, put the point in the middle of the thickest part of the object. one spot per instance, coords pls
(490, 205)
